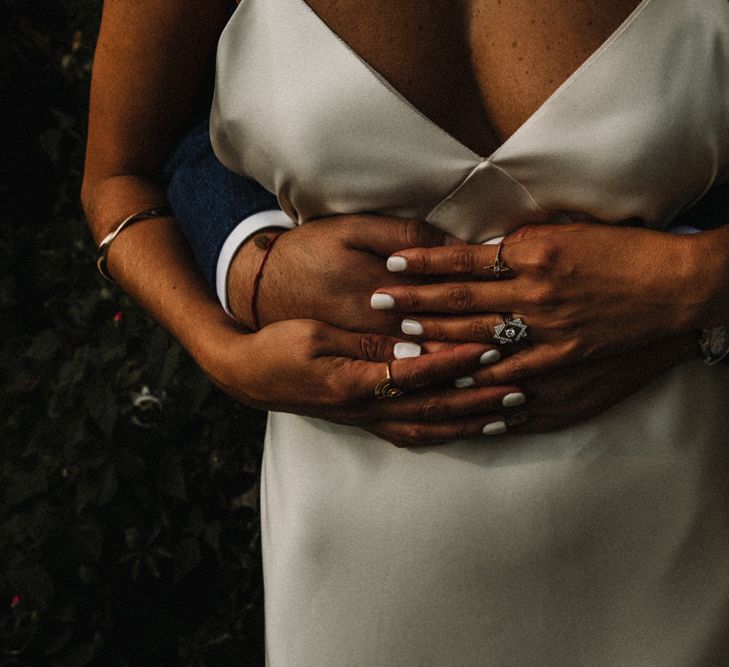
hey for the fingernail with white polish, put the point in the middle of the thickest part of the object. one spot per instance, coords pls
(490, 357)
(396, 264)
(494, 428)
(382, 302)
(462, 383)
(406, 350)
(412, 327)
(512, 400)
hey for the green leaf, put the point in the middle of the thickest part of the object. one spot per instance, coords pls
(87, 543)
(72, 372)
(33, 584)
(44, 347)
(103, 407)
(81, 656)
(187, 557)
(170, 366)
(109, 485)
(196, 521)
(212, 535)
(171, 476)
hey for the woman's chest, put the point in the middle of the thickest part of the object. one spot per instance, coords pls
(477, 68)
(637, 131)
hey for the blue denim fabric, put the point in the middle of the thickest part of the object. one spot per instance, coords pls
(209, 200)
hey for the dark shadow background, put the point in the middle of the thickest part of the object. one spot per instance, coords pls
(128, 485)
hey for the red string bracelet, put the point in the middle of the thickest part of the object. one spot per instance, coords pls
(264, 242)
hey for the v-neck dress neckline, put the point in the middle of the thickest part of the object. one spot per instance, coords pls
(325, 32)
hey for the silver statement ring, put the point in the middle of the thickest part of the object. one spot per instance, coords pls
(510, 330)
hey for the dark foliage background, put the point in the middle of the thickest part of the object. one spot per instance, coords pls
(128, 527)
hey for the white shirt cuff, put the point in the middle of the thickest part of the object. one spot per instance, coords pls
(242, 232)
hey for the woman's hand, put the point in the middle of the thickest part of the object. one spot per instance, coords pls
(565, 396)
(310, 368)
(583, 290)
(327, 269)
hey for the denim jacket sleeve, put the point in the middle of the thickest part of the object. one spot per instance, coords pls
(209, 200)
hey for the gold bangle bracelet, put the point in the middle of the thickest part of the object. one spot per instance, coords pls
(103, 252)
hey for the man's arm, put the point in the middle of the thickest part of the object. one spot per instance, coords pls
(216, 208)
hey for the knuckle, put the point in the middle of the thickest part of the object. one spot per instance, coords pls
(433, 409)
(515, 367)
(437, 330)
(544, 256)
(418, 377)
(544, 294)
(338, 396)
(412, 232)
(413, 433)
(460, 298)
(487, 377)
(372, 347)
(481, 330)
(410, 300)
(462, 259)
(338, 392)
(312, 336)
(424, 261)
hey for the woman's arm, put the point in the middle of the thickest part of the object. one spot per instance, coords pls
(144, 86)
(584, 290)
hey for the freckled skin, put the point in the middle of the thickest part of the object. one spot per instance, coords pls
(478, 68)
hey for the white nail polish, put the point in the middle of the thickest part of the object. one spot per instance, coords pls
(512, 400)
(412, 327)
(494, 428)
(462, 383)
(490, 357)
(382, 302)
(396, 264)
(406, 350)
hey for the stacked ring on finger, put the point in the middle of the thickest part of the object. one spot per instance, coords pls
(498, 266)
(386, 388)
(511, 330)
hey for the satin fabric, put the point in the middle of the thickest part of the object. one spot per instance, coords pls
(606, 543)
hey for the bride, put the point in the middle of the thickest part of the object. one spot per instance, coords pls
(395, 132)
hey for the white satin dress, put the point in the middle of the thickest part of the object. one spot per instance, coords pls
(603, 544)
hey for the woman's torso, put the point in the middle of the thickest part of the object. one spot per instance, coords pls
(603, 544)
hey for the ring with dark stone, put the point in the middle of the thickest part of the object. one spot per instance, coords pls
(510, 331)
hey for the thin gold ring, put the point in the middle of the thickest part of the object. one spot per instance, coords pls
(386, 388)
(498, 266)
